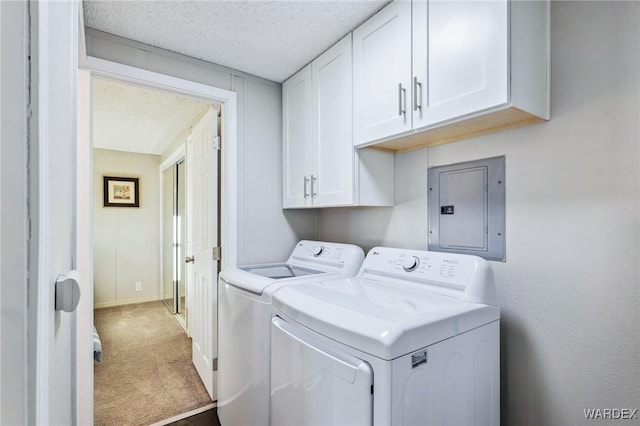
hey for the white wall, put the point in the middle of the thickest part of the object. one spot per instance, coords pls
(0, 221)
(126, 239)
(14, 85)
(569, 290)
(265, 232)
(404, 225)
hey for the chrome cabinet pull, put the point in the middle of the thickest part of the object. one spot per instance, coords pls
(401, 99)
(417, 88)
(313, 179)
(306, 194)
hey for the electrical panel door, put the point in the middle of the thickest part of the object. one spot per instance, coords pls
(466, 208)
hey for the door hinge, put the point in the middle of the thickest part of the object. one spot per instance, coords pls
(214, 364)
(215, 253)
(216, 142)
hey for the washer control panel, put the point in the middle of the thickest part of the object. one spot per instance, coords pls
(320, 251)
(444, 269)
(327, 255)
(461, 276)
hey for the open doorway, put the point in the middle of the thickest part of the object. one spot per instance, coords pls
(229, 205)
(147, 369)
(136, 130)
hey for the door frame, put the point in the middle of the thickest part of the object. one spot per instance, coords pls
(229, 158)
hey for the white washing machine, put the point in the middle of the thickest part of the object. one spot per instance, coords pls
(413, 339)
(244, 314)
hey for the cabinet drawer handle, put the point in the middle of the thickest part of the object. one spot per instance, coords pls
(417, 91)
(401, 102)
(306, 194)
(313, 179)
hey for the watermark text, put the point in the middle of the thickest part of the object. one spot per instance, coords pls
(611, 413)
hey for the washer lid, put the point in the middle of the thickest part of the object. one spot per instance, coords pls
(386, 320)
(255, 278)
(308, 259)
(279, 271)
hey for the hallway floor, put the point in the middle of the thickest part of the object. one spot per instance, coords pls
(146, 374)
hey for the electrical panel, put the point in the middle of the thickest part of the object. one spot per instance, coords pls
(466, 208)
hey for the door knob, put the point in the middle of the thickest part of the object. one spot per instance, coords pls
(189, 259)
(68, 291)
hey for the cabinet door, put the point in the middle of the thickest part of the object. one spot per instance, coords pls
(296, 145)
(333, 149)
(382, 74)
(460, 58)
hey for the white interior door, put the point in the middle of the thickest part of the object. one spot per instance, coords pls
(202, 166)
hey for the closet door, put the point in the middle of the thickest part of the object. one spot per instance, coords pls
(168, 242)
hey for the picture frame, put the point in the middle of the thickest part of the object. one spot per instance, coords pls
(121, 191)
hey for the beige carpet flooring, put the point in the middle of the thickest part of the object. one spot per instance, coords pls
(146, 374)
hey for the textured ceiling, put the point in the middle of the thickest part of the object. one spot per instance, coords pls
(139, 119)
(270, 39)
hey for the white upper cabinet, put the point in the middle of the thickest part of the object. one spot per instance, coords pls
(321, 168)
(459, 58)
(382, 73)
(297, 139)
(474, 67)
(333, 153)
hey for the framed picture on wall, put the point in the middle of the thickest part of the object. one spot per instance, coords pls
(121, 191)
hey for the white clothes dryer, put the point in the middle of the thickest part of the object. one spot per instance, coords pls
(244, 314)
(413, 339)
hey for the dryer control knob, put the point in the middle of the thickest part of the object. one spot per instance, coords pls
(410, 263)
(317, 251)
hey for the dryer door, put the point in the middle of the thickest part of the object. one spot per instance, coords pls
(313, 383)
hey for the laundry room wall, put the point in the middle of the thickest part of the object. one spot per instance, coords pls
(265, 232)
(126, 239)
(569, 289)
(15, 322)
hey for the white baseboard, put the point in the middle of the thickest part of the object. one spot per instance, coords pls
(124, 302)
